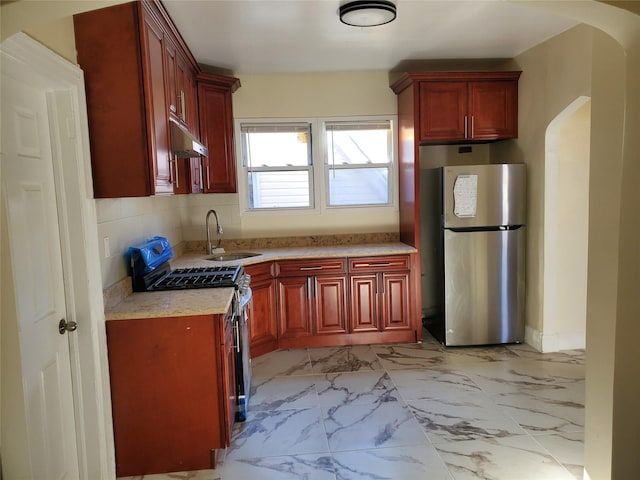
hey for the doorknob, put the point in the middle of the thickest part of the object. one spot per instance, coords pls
(65, 326)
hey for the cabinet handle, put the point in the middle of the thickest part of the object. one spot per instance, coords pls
(208, 176)
(175, 168)
(311, 268)
(182, 106)
(472, 126)
(465, 126)
(236, 329)
(201, 174)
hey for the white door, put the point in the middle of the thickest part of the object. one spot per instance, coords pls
(30, 195)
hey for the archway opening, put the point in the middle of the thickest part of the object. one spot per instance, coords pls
(566, 227)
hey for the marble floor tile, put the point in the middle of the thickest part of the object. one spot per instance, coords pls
(344, 359)
(465, 415)
(378, 425)
(431, 383)
(280, 393)
(415, 462)
(280, 363)
(403, 357)
(277, 433)
(509, 458)
(355, 388)
(290, 467)
(537, 413)
(567, 448)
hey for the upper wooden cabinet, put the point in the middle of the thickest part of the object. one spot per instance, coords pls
(216, 131)
(464, 107)
(137, 70)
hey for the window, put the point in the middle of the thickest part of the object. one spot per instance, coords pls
(277, 159)
(316, 164)
(358, 162)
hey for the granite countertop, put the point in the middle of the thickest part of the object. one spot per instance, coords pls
(211, 301)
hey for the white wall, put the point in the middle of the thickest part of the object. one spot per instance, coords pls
(127, 221)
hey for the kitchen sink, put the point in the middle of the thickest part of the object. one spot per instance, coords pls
(230, 256)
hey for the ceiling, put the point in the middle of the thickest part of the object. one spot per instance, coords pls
(287, 36)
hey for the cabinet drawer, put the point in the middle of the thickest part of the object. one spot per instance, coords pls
(379, 264)
(260, 272)
(291, 268)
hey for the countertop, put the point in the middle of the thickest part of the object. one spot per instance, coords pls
(212, 301)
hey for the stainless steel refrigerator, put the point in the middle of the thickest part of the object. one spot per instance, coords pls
(475, 247)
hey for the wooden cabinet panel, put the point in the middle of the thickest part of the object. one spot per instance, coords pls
(263, 326)
(216, 132)
(364, 303)
(168, 397)
(493, 108)
(395, 301)
(443, 111)
(330, 304)
(312, 266)
(294, 307)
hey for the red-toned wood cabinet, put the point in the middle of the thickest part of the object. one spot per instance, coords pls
(263, 325)
(312, 298)
(218, 171)
(464, 107)
(172, 392)
(135, 64)
(380, 293)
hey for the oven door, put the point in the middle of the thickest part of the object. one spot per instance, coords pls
(243, 357)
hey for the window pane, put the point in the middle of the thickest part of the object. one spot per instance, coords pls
(358, 143)
(358, 186)
(279, 189)
(280, 146)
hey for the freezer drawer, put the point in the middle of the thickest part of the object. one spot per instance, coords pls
(484, 287)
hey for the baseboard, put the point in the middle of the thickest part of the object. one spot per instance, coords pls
(554, 342)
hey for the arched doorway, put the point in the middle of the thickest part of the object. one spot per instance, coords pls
(566, 227)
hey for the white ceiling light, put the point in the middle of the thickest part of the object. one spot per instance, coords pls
(367, 13)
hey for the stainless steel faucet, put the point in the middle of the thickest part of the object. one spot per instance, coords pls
(218, 231)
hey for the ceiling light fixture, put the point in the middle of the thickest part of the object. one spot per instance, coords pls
(367, 13)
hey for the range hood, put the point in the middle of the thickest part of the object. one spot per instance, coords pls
(183, 144)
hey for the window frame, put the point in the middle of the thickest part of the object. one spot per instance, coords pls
(320, 170)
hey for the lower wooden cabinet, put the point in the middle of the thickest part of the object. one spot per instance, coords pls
(380, 293)
(263, 326)
(172, 392)
(312, 298)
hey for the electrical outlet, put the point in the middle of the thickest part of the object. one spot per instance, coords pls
(107, 247)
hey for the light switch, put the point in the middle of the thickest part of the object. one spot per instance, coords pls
(107, 247)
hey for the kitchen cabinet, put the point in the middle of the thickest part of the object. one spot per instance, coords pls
(216, 132)
(172, 391)
(263, 326)
(464, 107)
(130, 54)
(380, 293)
(312, 299)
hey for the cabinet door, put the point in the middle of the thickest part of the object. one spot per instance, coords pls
(330, 304)
(493, 109)
(158, 128)
(395, 300)
(171, 78)
(443, 111)
(294, 307)
(263, 326)
(165, 393)
(216, 132)
(229, 375)
(364, 303)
